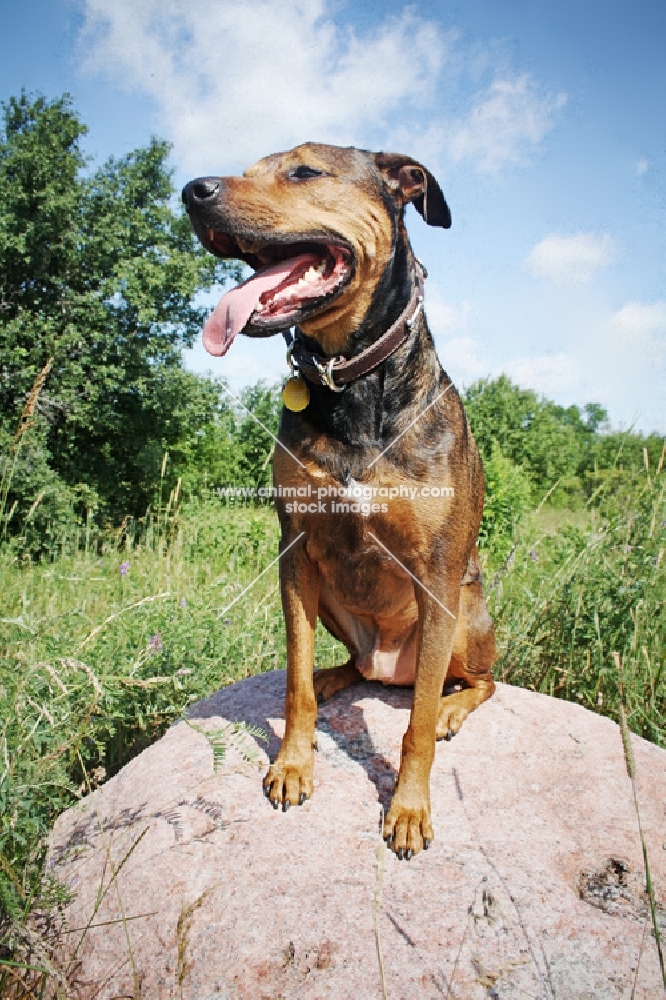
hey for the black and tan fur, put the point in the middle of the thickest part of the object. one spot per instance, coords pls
(337, 571)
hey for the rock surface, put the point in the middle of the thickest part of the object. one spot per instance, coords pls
(532, 887)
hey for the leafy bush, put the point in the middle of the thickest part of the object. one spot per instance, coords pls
(508, 497)
(255, 441)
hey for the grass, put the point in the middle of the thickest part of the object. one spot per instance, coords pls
(574, 596)
(104, 646)
(649, 890)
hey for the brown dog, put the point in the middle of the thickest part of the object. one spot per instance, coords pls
(380, 480)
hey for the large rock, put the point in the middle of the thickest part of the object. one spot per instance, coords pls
(533, 886)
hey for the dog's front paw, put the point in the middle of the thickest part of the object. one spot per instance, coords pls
(288, 784)
(407, 827)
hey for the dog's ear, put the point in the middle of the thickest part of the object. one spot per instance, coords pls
(412, 182)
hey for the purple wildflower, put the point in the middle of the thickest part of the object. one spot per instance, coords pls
(534, 556)
(227, 621)
(156, 642)
(183, 602)
(183, 672)
(124, 568)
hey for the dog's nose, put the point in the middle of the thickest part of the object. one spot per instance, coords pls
(200, 190)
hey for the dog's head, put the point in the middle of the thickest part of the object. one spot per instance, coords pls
(319, 225)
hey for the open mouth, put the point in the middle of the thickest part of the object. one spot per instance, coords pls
(291, 282)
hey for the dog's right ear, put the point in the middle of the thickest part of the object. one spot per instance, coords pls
(410, 181)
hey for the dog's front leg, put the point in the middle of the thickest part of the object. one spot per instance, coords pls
(289, 780)
(408, 825)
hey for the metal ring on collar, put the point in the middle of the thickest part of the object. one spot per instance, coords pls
(326, 375)
(410, 322)
(424, 269)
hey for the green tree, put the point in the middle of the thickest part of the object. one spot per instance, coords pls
(553, 444)
(204, 427)
(499, 411)
(98, 272)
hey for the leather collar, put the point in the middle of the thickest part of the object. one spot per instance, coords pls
(336, 372)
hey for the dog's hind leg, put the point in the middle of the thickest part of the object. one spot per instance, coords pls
(472, 657)
(329, 681)
(350, 631)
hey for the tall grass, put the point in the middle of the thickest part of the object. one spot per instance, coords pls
(569, 599)
(9, 463)
(631, 772)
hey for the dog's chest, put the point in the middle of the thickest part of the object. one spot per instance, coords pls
(367, 546)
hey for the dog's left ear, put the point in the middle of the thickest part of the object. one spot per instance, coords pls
(411, 181)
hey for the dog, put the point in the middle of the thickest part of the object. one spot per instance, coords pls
(373, 429)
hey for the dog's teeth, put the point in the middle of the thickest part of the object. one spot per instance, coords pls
(210, 233)
(313, 273)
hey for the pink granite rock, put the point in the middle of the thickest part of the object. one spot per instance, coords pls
(533, 886)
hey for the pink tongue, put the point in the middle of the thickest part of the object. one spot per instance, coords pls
(235, 307)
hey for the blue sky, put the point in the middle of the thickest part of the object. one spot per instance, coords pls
(543, 121)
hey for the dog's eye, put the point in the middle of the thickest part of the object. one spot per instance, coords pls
(304, 173)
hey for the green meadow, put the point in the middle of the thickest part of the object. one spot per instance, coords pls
(130, 588)
(103, 646)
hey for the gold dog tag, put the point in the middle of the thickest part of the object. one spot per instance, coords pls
(295, 394)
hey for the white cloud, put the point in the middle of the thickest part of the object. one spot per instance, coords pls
(235, 80)
(461, 355)
(463, 359)
(632, 363)
(553, 376)
(570, 260)
(583, 353)
(642, 327)
(445, 318)
(616, 359)
(641, 167)
(508, 121)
